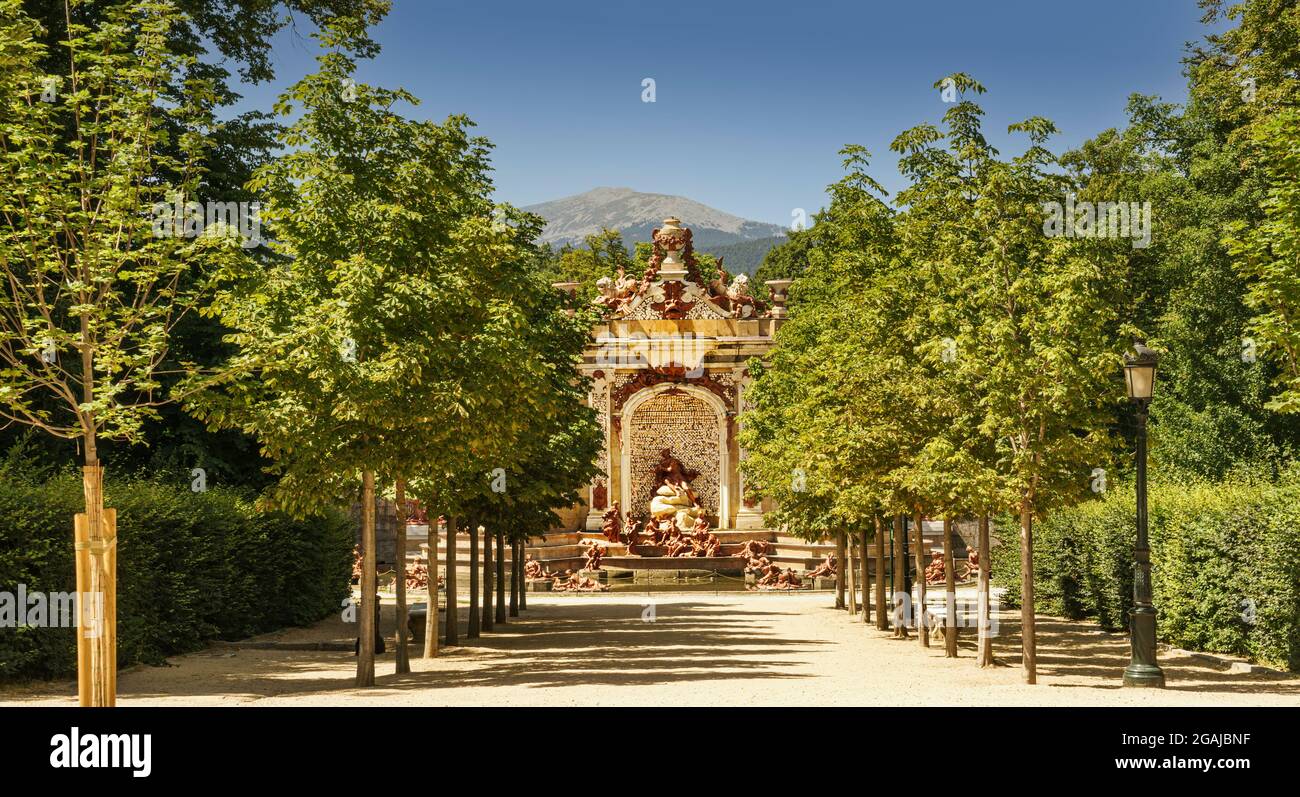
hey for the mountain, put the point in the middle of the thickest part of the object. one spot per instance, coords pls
(636, 214)
(744, 256)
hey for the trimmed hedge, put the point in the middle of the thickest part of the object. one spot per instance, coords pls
(192, 567)
(1225, 565)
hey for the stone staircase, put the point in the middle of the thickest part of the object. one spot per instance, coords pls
(564, 550)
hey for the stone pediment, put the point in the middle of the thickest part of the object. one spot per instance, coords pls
(672, 288)
(675, 299)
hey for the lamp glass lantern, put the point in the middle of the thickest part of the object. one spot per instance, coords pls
(1140, 373)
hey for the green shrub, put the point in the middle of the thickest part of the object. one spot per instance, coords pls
(1225, 565)
(191, 567)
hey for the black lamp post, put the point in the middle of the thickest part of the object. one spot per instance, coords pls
(1140, 378)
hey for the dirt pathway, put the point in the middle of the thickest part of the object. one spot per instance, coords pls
(729, 649)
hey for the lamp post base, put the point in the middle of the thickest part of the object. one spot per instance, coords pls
(1144, 675)
(1142, 669)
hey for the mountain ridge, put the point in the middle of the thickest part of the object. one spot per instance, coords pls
(635, 214)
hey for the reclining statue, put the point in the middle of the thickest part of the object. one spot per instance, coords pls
(825, 569)
(673, 496)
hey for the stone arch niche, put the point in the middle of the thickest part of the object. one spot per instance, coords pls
(692, 423)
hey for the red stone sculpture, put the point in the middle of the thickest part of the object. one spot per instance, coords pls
(416, 514)
(632, 535)
(775, 578)
(659, 531)
(674, 306)
(670, 470)
(705, 542)
(789, 580)
(826, 569)
(756, 551)
(534, 570)
(417, 576)
(595, 551)
(717, 289)
(612, 523)
(617, 293)
(572, 582)
(675, 543)
(935, 571)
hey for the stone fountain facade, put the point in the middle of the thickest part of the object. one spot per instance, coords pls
(668, 369)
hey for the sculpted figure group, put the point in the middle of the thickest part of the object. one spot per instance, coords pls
(826, 568)
(755, 552)
(595, 552)
(572, 582)
(616, 294)
(732, 295)
(935, 573)
(775, 578)
(664, 533)
(568, 581)
(534, 570)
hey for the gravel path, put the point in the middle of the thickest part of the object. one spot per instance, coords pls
(729, 649)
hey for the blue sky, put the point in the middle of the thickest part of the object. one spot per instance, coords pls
(753, 99)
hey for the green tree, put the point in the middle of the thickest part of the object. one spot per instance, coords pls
(96, 274)
(1198, 167)
(222, 45)
(604, 255)
(789, 259)
(387, 330)
(1268, 254)
(820, 421)
(1036, 314)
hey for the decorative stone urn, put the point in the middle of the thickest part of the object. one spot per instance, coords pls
(672, 238)
(778, 292)
(570, 288)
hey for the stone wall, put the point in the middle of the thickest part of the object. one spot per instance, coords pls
(687, 426)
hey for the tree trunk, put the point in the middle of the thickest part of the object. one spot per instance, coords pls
(101, 658)
(839, 570)
(523, 576)
(922, 622)
(488, 573)
(950, 594)
(97, 675)
(882, 614)
(865, 564)
(453, 633)
(501, 578)
(403, 655)
(901, 592)
(514, 579)
(431, 605)
(985, 607)
(1029, 658)
(369, 583)
(849, 566)
(471, 631)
